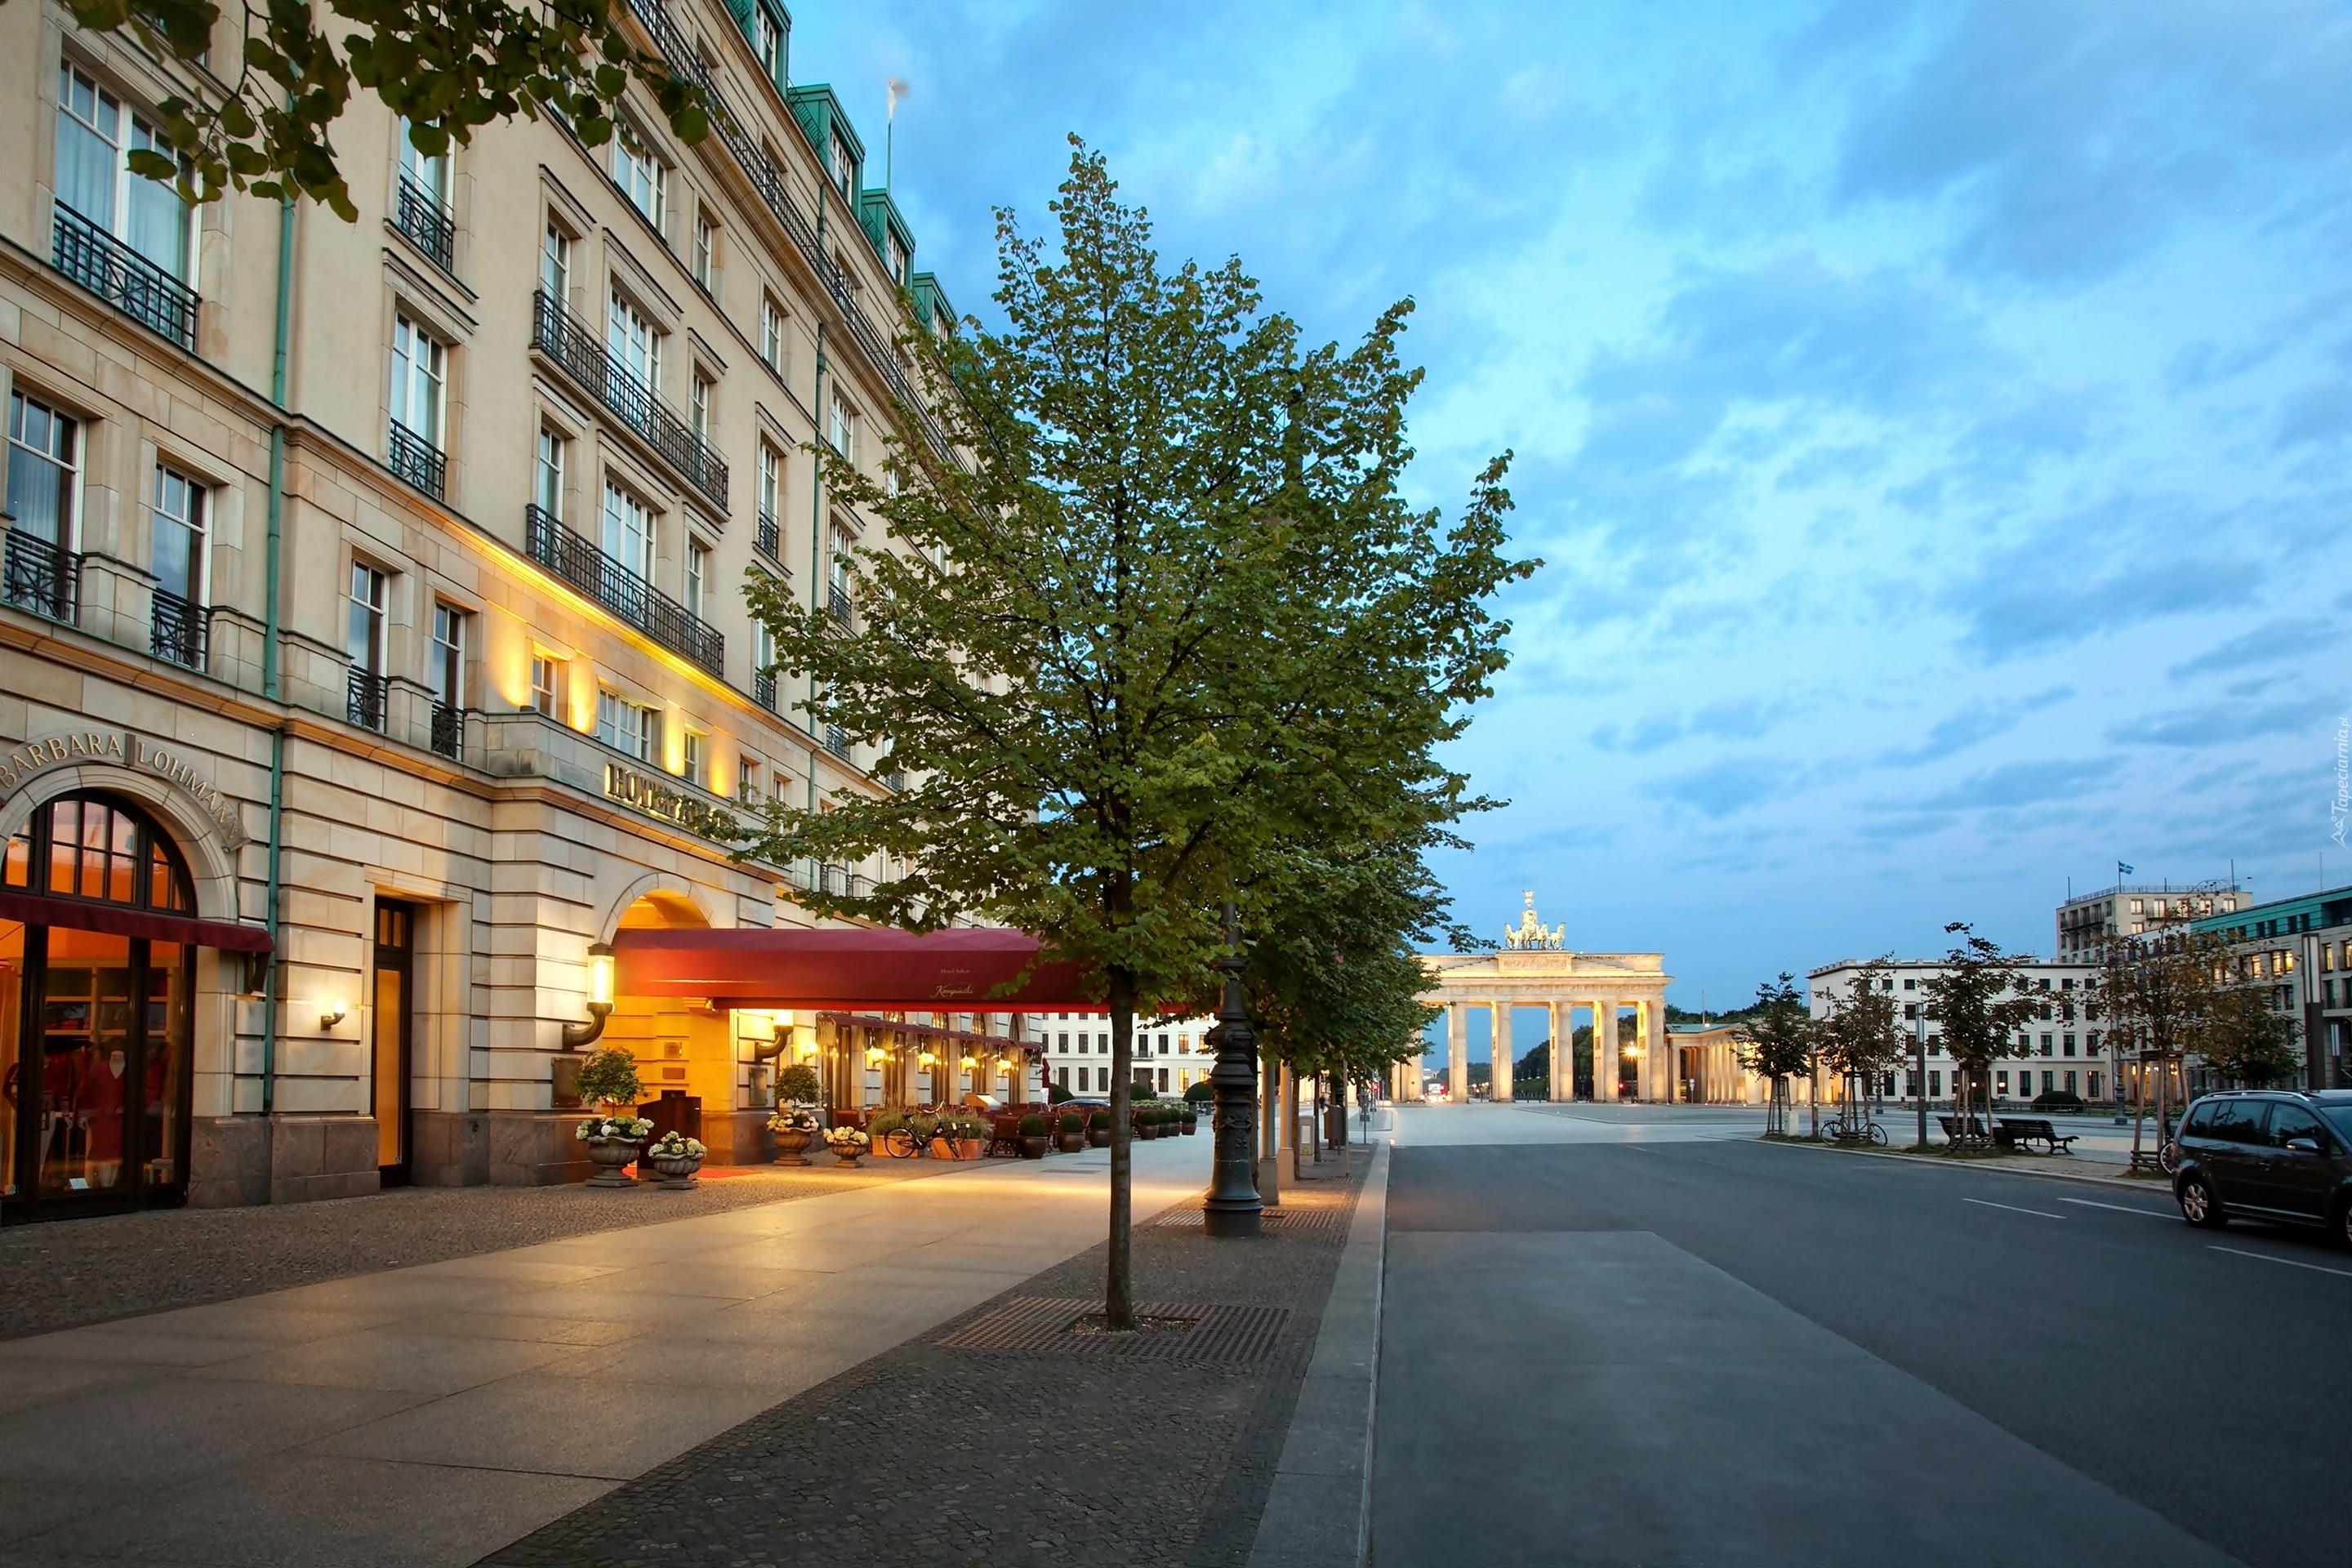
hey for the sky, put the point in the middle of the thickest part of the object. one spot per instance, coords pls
(1932, 417)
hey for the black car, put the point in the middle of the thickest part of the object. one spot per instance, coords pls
(2275, 1154)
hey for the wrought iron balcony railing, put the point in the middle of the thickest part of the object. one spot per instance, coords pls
(598, 576)
(177, 630)
(836, 742)
(763, 691)
(417, 461)
(449, 730)
(837, 599)
(123, 278)
(367, 699)
(41, 577)
(770, 540)
(564, 338)
(426, 223)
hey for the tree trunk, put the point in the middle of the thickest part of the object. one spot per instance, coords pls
(1119, 1293)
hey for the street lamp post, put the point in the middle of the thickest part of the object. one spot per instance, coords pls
(1919, 1078)
(1232, 1208)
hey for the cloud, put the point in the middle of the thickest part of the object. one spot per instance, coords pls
(1719, 789)
(1971, 726)
(2221, 723)
(2021, 784)
(2273, 643)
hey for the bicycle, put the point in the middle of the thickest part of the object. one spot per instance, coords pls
(1854, 1127)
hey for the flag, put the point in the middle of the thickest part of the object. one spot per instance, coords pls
(2122, 870)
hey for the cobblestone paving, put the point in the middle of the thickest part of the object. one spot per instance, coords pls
(73, 1272)
(931, 1455)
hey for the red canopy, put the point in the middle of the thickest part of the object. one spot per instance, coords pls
(847, 970)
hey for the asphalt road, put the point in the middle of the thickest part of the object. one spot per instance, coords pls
(1685, 1352)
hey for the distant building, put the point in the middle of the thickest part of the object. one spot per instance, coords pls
(1170, 1057)
(2060, 1050)
(2301, 949)
(2085, 923)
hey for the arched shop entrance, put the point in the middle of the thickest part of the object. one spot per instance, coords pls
(98, 940)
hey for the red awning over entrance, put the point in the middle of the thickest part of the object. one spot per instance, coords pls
(116, 920)
(846, 970)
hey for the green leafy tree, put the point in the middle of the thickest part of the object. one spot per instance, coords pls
(797, 1085)
(1775, 1043)
(446, 67)
(2158, 998)
(1979, 1000)
(609, 1076)
(2249, 1041)
(1861, 1035)
(1173, 622)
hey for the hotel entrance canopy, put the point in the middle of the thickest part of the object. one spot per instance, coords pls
(849, 970)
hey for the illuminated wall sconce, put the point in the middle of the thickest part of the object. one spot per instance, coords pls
(332, 1012)
(600, 999)
(969, 1063)
(928, 1060)
(874, 1056)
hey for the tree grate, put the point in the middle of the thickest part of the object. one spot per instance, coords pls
(1166, 1332)
(1292, 1219)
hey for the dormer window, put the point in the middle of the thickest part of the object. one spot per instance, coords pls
(844, 168)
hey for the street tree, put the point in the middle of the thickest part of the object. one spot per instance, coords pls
(1163, 622)
(2249, 1041)
(2159, 998)
(1979, 1001)
(1775, 1042)
(258, 109)
(1861, 1036)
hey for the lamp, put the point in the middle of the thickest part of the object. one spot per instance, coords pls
(600, 998)
(969, 1063)
(874, 1056)
(331, 1013)
(927, 1059)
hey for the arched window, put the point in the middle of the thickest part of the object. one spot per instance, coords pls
(102, 850)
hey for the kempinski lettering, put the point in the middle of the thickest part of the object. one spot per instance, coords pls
(124, 748)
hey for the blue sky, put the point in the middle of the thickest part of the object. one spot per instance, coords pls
(1933, 417)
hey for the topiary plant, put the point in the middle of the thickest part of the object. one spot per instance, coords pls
(1032, 1126)
(1072, 1122)
(797, 1085)
(1099, 1120)
(1202, 1092)
(609, 1076)
(1142, 1092)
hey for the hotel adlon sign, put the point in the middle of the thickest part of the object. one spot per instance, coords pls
(124, 749)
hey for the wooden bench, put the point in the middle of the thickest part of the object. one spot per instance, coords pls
(1953, 1132)
(2021, 1129)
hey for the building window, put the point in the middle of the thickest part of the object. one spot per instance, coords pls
(773, 347)
(639, 174)
(177, 552)
(767, 43)
(837, 576)
(746, 780)
(554, 460)
(706, 250)
(694, 756)
(844, 167)
(626, 727)
(842, 430)
(44, 450)
(698, 579)
(366, 643)
(555, 266)
(628, 531)
(446, 668)
(770, 498)
(95, 138)
(698, 410)
(419, 377)
(546, 684)
(1062, 1075)
(634, 342)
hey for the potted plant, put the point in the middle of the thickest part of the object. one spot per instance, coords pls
(612, 1144)
(915, 1133)
(885, 1130)
(1098, 1130)
(678, 1158)
(1032, 1137)
(609, 1078)
(1192, 1122)
(1072, 1130)
(794, 1128)
(847, 1143)
(959, 1137)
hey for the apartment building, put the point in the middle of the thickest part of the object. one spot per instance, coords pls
(2085, 923)
(1072, 1050)
(372, 643)
(2059, 1051)
(2299, 951)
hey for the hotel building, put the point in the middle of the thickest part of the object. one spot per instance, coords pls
(373, 641)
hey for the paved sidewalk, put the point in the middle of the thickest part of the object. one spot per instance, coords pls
(428, 1415)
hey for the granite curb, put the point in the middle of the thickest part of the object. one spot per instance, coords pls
(1926, 1161)
(1318, 1512)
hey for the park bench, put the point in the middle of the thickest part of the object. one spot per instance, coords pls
(1974, 1132)
(2021, 1129)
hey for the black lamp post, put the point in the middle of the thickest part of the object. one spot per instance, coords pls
(1232, 1208)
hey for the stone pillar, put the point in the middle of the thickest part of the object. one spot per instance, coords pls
(1499, 1057)
(1606, 1062)
(1457, 1053)
(1658, 1051)
(1563, 1051)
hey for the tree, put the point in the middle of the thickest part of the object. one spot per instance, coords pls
(446, 67)
(1861, 1036)
(1775, 1043)
(1173, 625)
(2159, 995)
(2249, 1041)
(1980, 1000)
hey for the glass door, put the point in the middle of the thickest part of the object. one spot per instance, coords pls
(16, 1101)
(87, 1030)
(395, 951)
(167, 1034)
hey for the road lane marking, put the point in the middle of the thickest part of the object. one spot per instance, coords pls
(2290, 1263)
(1988, 1202)
(2119, 1208)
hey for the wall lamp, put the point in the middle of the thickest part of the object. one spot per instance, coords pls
(874, 1056)
(927, 1059)
(600, 998)
(332, 1012)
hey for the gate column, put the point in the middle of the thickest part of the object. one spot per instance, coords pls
(1499, 1062)
(1563, 1054)
(1457, 1054)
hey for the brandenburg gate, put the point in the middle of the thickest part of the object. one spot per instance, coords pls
(1534, 968)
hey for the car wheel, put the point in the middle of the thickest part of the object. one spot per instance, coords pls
(2198, 1205)
(2343, 1225)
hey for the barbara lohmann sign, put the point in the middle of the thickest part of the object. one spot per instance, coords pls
(123, 749)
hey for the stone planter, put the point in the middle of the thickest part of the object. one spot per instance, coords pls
(897, 1146)
(1069, 1142)
(1033, 1148)
(1097, 1137)
(609, 1155)
(791, 1148)
(1191, 1125)
(676, 1170)
(849, 1156)
(957, 1148)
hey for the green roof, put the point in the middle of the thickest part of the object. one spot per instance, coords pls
(879, 217)
(930, 300)
(822, 119)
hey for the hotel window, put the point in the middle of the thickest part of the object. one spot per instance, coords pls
(626, 727)
(694, 758)
(706, 250)
(176, 549)
(697, 580)
(1062, 1077)
(446, 667)
(844, 167)
(843, 431)
(746, 780)
(555, 266)
(767, 43)
(1065, 1044)
(546, 684)
(634, 342)
(639, 174)
(420, 373)
(94, 138)
(2066, 1044)
(43, 455)
(553, 461)
(773, 348)
(628, 531)
(365, 638)
(770, 499)
(698, 409)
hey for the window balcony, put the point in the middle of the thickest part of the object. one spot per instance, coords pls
(449, 736)
(177, 630)
(367, 699)
(417, 461)
(426, 223)
(769, 539)
(763, 691)
(41, 577)
(837, 599)
(595, 575)
(123, 278)
(576, 350)
(836, 742)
